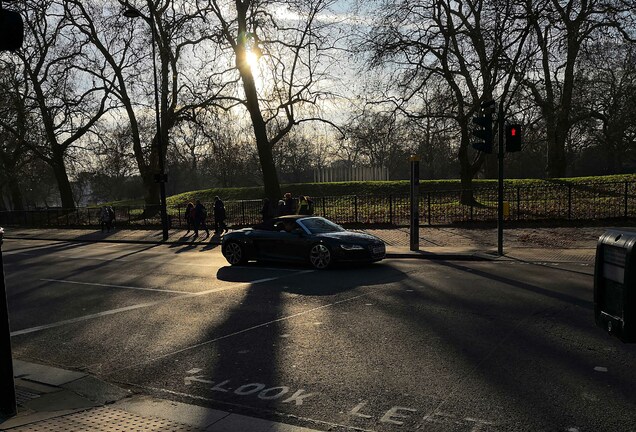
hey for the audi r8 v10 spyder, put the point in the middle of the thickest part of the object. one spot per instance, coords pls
(300, 238)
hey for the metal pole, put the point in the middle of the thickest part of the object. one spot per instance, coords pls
(162, 179)
(415, 204)
(8, 406)
(500, 215)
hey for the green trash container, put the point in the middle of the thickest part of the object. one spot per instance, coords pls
(615, 283)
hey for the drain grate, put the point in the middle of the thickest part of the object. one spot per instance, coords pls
(106, 419)
(23, 396)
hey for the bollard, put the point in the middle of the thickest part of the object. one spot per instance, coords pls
(415, 203)
(8, 407)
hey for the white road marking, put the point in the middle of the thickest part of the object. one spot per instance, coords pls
(92, 258)
(600, 369)
(144, 305)
(249, 329)
(82, 318)
(202, 398)
(115, 286)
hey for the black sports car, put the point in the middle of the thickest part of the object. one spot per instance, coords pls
(310, 239)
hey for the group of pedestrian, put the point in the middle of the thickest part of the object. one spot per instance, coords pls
(303, 205)
(196, 217)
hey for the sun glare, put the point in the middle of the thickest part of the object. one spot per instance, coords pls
(252, 60)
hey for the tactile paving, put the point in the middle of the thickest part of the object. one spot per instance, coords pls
(108, 420)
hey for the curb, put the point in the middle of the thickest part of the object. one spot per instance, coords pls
(79, 240)
(450, 256)
(51, 398)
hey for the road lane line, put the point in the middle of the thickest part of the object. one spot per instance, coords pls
(114, 286)
(93, 258)
(144, 305)
(82, 318)
(265, 324)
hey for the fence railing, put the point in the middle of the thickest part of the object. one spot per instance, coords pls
(554, 201)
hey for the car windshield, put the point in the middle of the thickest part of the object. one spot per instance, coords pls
(318, 225)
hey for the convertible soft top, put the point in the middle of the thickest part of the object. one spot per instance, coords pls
(269, 225)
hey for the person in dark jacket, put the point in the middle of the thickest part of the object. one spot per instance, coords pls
(189, 216)
(305, 205)
(288, 206)
(266, 211)
(219, 216)
(200, 215)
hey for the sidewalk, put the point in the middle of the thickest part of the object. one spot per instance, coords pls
(566, 244)
(53, 399)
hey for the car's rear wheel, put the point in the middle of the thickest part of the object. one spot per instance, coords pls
(234, 253)
(320, 256)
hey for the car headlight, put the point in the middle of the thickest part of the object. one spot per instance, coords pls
(350, 247)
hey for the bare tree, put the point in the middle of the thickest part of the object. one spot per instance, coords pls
(15, 128)
(457, 47)
(295, 48)
(59, 87)
(560, 31)
(606, 91)
(187, 76)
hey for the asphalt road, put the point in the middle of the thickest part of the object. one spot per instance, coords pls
(400, 345)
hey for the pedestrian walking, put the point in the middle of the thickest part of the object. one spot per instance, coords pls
(106, 217)
(219, 216)
(288, 205)
(189, 216)
(111, 215)
(305, 205)
(200, 216)
(266, 211)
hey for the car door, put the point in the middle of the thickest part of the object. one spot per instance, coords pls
(265, 243)
(294, 244)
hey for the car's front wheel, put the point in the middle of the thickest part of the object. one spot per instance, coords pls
(320, 256)
(234, 253)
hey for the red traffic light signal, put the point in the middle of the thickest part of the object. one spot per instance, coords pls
(513, 138)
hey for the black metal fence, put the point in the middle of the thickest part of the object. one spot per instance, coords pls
(545, 202)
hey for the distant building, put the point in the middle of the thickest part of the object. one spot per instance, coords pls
(343, 174)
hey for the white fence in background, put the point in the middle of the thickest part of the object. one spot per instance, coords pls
(325, 175)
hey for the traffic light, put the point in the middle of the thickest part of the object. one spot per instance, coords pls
(11, 30)
(483, 132)
(513, 138)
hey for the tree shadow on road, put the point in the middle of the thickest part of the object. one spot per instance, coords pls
(513, 346)
(248, 356)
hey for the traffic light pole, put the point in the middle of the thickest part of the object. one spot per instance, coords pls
(8, 406)
(500, 192)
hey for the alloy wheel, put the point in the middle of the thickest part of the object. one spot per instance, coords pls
(234, 253)
(320, 256)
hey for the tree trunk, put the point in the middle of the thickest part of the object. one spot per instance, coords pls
(557, 137)
(15, 193)
(271, 185)
(466, 173)
(63, 184)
